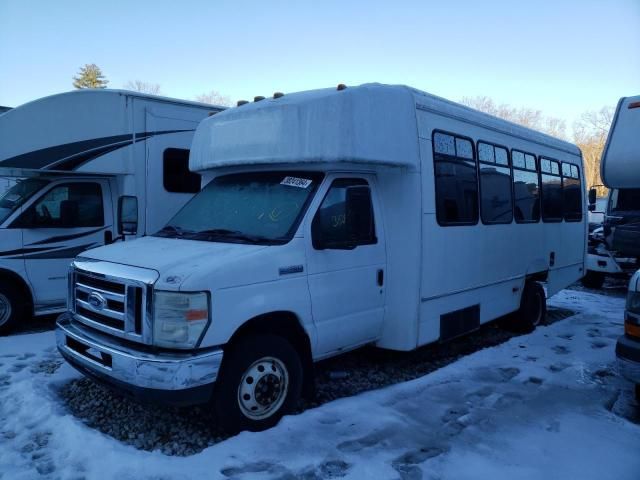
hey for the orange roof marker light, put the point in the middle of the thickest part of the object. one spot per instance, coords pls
(278, 95)
(341, 86)
(241, 102)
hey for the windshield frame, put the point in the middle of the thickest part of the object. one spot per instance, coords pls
(42, 182)
(317, 177)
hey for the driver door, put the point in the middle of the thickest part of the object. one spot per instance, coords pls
(70, 217)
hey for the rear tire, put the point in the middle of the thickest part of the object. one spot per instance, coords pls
(11, 308)
(532, 311)
(260, 381)
(593, 279)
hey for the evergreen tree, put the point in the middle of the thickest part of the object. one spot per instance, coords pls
(90, 76)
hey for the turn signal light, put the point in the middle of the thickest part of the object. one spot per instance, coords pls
(632, 329)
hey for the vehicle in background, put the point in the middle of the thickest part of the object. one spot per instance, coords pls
(596, 216)
(328, 220)
(92, 167)
(614, 246)
(620, 170)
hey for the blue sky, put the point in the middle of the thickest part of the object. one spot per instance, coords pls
(563, 57)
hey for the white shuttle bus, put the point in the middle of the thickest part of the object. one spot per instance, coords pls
(328, 220)
(84, 169)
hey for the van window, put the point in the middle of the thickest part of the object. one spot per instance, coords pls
(526, 187)
(572, 192)
(456, 181)
(176, 176)
(551, 190)
(71, 205)
(337, 226)
(495, 184)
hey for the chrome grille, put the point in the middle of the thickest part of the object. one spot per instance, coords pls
(112, 305)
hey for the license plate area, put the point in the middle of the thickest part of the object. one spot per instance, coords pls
(89, 353)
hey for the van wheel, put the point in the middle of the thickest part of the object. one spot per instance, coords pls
(260, 381)
(532, 311)
(11, 310)
(593, 279)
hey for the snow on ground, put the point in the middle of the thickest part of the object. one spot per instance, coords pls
(546, 405)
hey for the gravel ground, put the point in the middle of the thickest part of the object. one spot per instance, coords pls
(187, 431)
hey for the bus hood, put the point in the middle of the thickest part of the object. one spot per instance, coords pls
(174, 257)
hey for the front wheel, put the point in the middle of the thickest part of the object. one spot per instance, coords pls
(260, 381)
(11, 309)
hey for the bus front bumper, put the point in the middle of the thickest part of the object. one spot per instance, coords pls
(175, 377)
(628, 354)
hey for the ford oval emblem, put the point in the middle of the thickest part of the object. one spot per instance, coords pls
(97, 301)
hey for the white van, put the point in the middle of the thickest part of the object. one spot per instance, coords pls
(328, 220)
(89, 167)
(620, 169)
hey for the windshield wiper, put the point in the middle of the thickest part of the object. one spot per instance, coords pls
(168, 229)
(226, 233)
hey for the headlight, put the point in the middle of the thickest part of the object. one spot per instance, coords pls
(633, 302)
(179, 319)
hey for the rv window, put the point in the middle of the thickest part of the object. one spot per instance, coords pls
(176, 176)
(455, 180)
(72, 205)
(551, 189)
(526, 188)
(572, 193)
(495, 185)
(345, 217)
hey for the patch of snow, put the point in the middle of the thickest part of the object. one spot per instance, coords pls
(545, 405)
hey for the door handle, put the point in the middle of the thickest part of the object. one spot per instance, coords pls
(380, 277)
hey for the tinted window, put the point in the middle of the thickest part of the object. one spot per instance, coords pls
(455, 180)
(625, 200)
(526, 188)
(176, 176)
(572, 192)
(342, 224)
(70, 205)
(551, 189)
(495, 184)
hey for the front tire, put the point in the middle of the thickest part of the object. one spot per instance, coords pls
(260, 381)
(11, 309)
(593, 280)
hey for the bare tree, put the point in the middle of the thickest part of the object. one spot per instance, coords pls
(527, 117)
(214, 98)
(590, 134)
(143, 87)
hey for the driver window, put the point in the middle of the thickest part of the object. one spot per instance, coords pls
(70, 205)
(344, 219)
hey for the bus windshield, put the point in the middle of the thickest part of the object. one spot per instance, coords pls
(17, 195)
(256, 208)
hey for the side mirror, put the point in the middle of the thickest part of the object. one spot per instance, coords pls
(127, 215)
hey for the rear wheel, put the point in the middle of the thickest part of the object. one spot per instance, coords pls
(532, 311)
(260, 381)
(11, 308)
(593, 279)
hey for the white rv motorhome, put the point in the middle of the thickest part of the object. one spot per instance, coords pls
(328, 220)
(620, 170)
(93, 166)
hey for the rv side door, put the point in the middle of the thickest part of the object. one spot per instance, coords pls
(69, 217)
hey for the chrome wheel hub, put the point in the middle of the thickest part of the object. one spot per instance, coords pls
(263, 388)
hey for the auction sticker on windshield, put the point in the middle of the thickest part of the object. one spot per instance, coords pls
(296, 182)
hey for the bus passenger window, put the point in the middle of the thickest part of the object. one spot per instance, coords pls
(572, 193)
(456, 182)
(526, 188)
(495, 184)
(551, 189)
